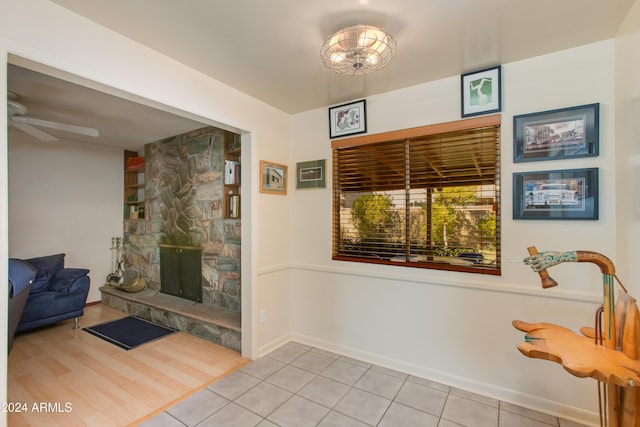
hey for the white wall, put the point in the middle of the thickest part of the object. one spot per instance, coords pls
(456, 327)
(627, 62)
(65, 197)
(4, 245)
(46, 33)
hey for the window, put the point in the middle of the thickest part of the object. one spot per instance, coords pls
(423, 197)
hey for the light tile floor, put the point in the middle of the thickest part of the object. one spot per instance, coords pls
(298, 386)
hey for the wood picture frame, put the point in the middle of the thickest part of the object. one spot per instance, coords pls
(311, 174)
(560, 194)
(273, 178)
(481, 91)
(557, 134)
(348, 119)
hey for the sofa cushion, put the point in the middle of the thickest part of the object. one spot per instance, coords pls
(46, 266)
(63, 279)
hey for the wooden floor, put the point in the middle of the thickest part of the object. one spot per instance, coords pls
(67, 377)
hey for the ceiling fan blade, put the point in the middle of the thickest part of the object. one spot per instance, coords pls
(36, 133)
(59, 126)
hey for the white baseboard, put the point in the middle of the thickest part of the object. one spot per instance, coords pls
(265, 349)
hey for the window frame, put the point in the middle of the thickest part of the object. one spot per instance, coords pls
(409, 134)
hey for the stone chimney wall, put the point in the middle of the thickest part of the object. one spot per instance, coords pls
(184, 203)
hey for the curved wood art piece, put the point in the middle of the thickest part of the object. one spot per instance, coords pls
(608, 352)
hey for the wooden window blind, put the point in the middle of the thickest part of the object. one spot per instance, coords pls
(424, 197)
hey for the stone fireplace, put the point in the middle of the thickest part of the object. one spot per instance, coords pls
(184, 218)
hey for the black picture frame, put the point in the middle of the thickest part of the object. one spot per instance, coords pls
(481, 91)
(557, 134)
(311, 174)
(570, 194)
(348, 119)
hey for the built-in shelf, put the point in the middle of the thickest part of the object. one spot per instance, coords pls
(133, 185)
(232, 153)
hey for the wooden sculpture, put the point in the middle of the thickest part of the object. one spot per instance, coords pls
(609, 352)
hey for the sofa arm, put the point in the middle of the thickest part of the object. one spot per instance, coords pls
(21, 275)
(69, 280)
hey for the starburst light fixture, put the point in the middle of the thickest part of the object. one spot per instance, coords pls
(358, 49)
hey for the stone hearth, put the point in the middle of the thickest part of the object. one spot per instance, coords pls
(214, 324)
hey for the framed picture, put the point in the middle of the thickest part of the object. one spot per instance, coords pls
(481, 92)
(348, 119)
(560, 194)
(556, 134)
(273, 178)
(311, 174)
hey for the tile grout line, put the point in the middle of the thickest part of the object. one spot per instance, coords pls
(319, 374)
(353, 386)
(288, 357)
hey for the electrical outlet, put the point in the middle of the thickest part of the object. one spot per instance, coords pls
(261, 316)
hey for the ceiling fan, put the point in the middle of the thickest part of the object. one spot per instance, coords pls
(17, 117)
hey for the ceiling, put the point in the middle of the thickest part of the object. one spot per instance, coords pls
(121, 123)
(270, 49)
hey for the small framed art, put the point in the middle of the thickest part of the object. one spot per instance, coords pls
(311, 174)
(560, 194)
(348, 119)
(481, 92)
(556, 134)
(273, 178)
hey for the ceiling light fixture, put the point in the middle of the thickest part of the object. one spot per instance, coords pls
(358, 49)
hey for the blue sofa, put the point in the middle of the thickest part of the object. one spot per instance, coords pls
(21, 275)
(57, 293)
